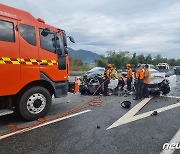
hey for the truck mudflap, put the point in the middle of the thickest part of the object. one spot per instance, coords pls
(73, 87)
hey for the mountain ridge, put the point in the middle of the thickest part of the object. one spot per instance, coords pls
(85, 55)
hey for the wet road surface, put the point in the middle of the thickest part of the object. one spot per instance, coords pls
(87, 131)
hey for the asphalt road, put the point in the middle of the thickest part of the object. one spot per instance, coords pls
(80, 134)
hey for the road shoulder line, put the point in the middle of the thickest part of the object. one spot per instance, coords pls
(41, 125)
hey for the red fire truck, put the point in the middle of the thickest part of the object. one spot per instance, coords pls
(34, 64)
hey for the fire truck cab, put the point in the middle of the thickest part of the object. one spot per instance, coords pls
(34, 64)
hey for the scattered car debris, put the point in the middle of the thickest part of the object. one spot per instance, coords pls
(154, 113)
(126, 104)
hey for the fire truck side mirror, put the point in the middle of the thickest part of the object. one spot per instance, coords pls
(64, 39)
(46, 31)
(71, 39)
(66, 50)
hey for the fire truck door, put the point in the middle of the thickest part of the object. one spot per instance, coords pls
(9, 54)
(28, 53)
(47, 52)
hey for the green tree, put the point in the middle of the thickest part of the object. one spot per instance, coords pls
(78, 61)
(141, 59)
(134, 61)
(158, 59)
(172, 62)
(102, 61)
(149, 59)
(78, 65)
(119, 59)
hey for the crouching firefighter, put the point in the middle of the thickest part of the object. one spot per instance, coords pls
(121, 83)
(106, 78)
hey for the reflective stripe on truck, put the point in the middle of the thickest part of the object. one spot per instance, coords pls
(7, 60)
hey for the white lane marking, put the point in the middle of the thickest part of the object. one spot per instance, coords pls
(175, 139)
(147, 114)
(43, 124)
(171, 96)
(130, 118)
(131, 113)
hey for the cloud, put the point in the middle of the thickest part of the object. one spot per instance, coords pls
(101, 25)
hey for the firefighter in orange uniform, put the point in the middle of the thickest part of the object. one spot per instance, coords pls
(129, 77)
(107, 77)
(139, 82)
(147, 78)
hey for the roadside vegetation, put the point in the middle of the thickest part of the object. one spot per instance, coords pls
(121, 58)
(77, 64)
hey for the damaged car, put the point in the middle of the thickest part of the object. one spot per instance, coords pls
(160, 82)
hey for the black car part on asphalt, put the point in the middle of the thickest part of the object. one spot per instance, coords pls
(126, 104)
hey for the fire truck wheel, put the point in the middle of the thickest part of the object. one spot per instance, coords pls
(35, 103)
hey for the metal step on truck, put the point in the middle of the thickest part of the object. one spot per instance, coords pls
(34, 64)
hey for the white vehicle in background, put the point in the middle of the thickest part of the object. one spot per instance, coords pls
(151, 66)
(164, 66)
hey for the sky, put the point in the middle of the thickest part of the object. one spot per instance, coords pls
(142, 26)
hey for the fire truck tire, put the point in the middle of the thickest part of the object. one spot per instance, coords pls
(34, 103)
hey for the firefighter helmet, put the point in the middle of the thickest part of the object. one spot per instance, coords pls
(128, 65)
(109, 65)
